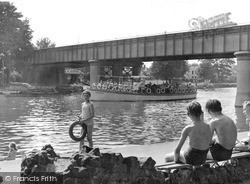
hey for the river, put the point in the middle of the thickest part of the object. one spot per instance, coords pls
(32, 122)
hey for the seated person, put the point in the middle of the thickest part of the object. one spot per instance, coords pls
(200, 137)
(13, 151)
(225, 129)
(244, 144)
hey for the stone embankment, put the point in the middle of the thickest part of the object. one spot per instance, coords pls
(92, 167)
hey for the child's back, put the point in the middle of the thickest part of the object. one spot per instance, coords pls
(200, 136)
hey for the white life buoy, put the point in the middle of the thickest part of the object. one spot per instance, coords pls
(116, 88)
(158, 91)
(175, 90)
(148, 91)
(163, 90)
(171, 90)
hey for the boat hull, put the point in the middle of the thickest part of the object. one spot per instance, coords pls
(101, 95)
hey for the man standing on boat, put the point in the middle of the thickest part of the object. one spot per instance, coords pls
(225, 129)
(142, 87)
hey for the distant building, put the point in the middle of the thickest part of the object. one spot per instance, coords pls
(192, 73)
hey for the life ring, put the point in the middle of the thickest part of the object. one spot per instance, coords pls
(158, 91)
(186, 90)
(179, 90)
(148, 91)
(171, 90)
(175, 90)
(183, 91)
(163, 90)
(99, 86)
(190, 90)
(116, 88)
(104, 87)
(84, 130)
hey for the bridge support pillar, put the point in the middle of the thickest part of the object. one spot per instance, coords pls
(243, 77)
(94, 71)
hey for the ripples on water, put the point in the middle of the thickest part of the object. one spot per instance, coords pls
(33, 122)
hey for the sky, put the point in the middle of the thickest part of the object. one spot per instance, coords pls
(70, 22)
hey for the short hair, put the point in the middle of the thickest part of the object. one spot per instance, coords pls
(194, 108)
(13, 145)
(246, 104)
(213, 105)
(86, 92)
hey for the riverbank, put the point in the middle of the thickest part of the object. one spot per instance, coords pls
(155, 151)
(208, 85)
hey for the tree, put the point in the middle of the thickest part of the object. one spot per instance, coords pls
(206, 70)
(15, 36)
(44, 43)
(223, 68)
(166, 70)
(216, 69)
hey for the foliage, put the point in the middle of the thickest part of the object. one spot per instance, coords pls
(15, 36)
(44, 43)
(166, 70)
(216, 70)
(206, 71)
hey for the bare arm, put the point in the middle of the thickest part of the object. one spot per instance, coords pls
(182, 140)
(212, 127)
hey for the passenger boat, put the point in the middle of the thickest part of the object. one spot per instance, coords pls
(125, 92)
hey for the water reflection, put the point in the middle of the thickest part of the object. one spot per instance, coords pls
(34, 121)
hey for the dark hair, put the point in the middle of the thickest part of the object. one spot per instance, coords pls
(213, 105)
(194, 108)
(86, 92)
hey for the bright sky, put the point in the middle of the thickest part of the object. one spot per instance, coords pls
(69, 22)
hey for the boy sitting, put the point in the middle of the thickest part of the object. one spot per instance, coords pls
(200, 137)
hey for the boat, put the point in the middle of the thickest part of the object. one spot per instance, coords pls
(126, 91)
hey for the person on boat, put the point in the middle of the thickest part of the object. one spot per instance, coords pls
(87, 117)
(142, 86)
(225, 132)
(200, 137)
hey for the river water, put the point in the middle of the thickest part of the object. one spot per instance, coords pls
(33, 122)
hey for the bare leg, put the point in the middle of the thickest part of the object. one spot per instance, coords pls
(170, 157)
(89, 135)
(209, 156)
(182, 158)
(81, 142)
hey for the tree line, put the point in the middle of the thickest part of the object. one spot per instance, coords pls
(214, 70)
(15, 42)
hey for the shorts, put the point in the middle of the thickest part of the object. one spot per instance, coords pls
(195, 156)
(220, 153)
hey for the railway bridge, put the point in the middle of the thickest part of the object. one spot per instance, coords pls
(113, 57)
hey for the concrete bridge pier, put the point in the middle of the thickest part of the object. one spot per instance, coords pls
(243, 77)
(116, 71)
(95, 71)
